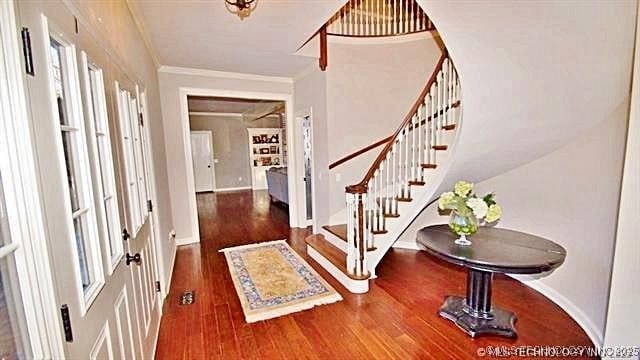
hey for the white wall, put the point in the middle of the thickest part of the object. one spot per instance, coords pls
(310, 95)
(371, 85)
(113, 23)
(536, 71)
(623, 315)
(571, 197)
(170, 84)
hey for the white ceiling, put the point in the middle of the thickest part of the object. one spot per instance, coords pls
(203, 34)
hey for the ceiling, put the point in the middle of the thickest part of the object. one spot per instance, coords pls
(233, 106)
(202, 34)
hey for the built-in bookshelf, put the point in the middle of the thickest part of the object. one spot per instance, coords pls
(265, 150)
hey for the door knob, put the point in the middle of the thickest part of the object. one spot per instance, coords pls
(133, 258)
(209, 166)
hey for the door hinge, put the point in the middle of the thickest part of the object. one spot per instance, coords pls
(26, 51)
(66, 323)
(125, 234)
(157, 286)
(141, 119)
(149, 206)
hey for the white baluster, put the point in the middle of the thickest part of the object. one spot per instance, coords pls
(420, 146)
(374, 193)
(350, 243)
(394, 180)
(432, 123)
(407, 161)
(427, 132)
(413, 146)
(387, 190)
(439, 107)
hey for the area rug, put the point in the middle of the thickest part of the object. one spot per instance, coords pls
(272, 280)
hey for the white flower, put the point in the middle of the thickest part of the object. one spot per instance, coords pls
(478, 206)
(446, 200)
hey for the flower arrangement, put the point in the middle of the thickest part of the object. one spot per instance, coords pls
(468, 210)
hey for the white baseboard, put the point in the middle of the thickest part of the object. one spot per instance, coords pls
(167, 284)
(232, 189)
(574, 311)
(187, 241)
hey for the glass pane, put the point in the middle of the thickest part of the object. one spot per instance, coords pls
(79, 224)
(13, 335)
(58, 80)
(111, 209)
(67, 144)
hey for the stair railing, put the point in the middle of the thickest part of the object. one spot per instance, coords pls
(410, 151)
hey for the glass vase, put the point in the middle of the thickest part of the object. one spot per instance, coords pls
(463, 226)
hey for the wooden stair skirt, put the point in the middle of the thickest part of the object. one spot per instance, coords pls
(334, 261)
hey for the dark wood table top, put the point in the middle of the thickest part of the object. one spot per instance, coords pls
(494, 249)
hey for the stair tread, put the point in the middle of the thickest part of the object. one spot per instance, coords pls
(333, 254)
(429, 166)
(340, 231)
(439, 147)
(417, 182)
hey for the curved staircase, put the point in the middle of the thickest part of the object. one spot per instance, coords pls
(396, 187)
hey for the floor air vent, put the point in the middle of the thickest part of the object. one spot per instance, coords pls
(188, 297)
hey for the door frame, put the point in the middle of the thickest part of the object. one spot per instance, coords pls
(297, 218)
(24, 206)
(299, 117)
(213, 164)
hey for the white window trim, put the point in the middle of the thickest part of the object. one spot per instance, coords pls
(111, 260)
(85, 297)
(24, 209)
(124, 114)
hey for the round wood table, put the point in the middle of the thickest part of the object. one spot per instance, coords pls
(492, 250)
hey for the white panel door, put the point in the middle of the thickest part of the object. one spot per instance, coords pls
(202, 157)
(105, 280)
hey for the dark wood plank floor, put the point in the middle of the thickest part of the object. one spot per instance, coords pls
(396, 319)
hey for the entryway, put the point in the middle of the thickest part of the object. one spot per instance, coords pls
(240, 145)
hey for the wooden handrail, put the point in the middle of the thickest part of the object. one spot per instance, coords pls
(359, 152)
(361, 187)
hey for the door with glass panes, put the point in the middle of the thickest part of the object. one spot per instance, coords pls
(91, 150)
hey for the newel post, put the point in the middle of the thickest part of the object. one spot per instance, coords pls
(356, 232)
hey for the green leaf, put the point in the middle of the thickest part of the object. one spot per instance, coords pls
(489, 199)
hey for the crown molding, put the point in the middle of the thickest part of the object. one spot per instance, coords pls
(222, 74)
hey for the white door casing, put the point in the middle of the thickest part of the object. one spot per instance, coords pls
(113, 308)
(202, 157)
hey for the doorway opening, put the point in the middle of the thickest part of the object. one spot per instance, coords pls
(239, 152)
(307, 157)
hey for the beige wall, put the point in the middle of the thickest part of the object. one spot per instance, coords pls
(170, 85)
(361, 98)
(231, 146)
(370, 88)
(527, 70)
(310, 95)
(113, 24)
(571, 197)
(623, 315)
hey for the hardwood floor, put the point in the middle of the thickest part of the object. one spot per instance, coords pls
(396, 319)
